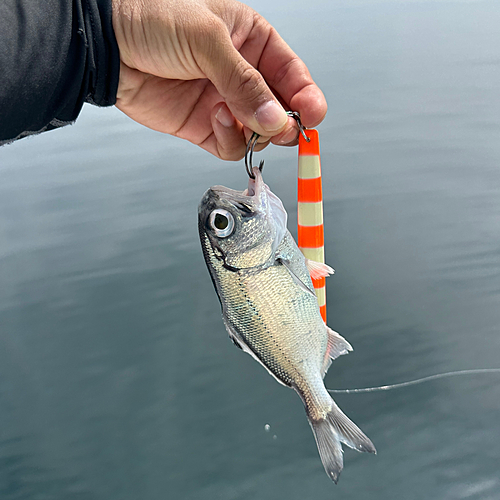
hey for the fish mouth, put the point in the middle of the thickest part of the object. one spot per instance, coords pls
(247, 197)
(255, 185)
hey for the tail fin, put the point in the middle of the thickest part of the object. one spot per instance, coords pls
(336, 428)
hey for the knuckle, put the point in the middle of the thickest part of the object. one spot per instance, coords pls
(291, 66)
(210, 29)
(230, 154)
(246, 82)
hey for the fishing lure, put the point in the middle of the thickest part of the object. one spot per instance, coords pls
(310, 230)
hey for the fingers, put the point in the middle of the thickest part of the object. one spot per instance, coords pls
(243, 88)
(247, 89)
(284, 72)
(290, 136)
(229, 139)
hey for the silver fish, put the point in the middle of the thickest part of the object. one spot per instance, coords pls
(269, 306)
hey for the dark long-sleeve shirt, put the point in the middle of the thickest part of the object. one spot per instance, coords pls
(54, 56)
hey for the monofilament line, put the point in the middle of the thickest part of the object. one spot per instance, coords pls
(417, 381)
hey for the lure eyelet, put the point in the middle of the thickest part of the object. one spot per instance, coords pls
(221, 222)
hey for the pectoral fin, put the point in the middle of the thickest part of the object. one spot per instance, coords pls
(294, 276)
(318, 270)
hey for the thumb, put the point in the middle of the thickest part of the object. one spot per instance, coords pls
(243, 88)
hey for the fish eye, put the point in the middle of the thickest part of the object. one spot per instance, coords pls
(222, 222)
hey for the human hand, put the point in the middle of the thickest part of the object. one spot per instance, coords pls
(203, 70)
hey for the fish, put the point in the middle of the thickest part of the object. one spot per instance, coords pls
(270, 309)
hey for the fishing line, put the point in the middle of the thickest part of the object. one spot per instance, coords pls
(416, 381)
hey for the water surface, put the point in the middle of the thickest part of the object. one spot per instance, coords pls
(117, 379)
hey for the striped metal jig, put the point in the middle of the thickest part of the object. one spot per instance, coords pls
(311, 239)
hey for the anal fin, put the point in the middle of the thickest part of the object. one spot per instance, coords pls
(337, 346)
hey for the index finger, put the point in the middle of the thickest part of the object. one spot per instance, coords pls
(284, 72)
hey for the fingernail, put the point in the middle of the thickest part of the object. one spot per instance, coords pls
(225, 117)
(289, 136)
(271, 116)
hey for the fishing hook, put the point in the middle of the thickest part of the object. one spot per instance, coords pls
(253, 141)
(249, 157)
(296, 115)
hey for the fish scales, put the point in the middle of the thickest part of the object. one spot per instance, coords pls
(286, 343)
(270, 309)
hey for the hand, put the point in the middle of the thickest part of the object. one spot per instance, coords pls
(203, 70)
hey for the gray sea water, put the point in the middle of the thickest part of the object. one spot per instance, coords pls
(117, 378)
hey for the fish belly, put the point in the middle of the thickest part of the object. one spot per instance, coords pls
(279, 322)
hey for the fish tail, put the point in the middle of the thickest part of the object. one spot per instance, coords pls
(333, 430)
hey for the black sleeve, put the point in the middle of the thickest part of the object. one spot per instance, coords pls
(54, 56)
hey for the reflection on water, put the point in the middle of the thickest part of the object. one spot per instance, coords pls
(117, 380)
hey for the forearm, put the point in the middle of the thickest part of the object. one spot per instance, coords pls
(54, 56)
